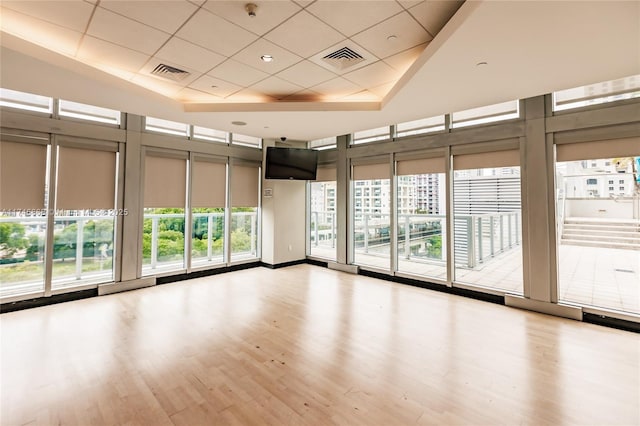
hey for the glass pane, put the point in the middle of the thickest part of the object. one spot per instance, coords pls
(244, 140)
(486, 114)
(422, 225)
(207, 236)
(244, 233)
(372, 222)
(82, 247)
(88, 112)
(487, 228)
(209, 134)
(322, 233)
(162, 240)
(593, 94)
(378, 134)
(166, 126)
(417, 127)
(326, 143)
(599, 232)
(26, 101)
(22, 241)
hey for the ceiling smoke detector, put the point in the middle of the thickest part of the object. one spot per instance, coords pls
(251, 9)
(343, 58)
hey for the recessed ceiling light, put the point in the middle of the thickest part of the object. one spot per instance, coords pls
(481, 64)
(239, 123)
(266, 58)
(392, 37)
(214, 86)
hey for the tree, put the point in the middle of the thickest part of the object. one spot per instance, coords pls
(12, 238)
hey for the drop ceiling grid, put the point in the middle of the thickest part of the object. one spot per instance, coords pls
(220, 45)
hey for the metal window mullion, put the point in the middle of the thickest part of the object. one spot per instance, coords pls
(118, 235)
(51, 193)
(449, 213)
(188, 220)
(227, 218)
(393, 224)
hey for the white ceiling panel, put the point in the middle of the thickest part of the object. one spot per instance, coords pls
(362, 96)
(336, 88)
(251, 54)
(189, 55)
(434, 14)
(74, 15)
(306, 74)
(410, 3)
(373, 75)
(93, 49)
(340, 15)
(311, 35)
(237, 73)
(269, 14)
(276, 87)
(55, 37)
(190, 95)
(214, 33)
(250, 96)
(382, 90)
(304, 3)
(215, 86)
(408, 33)
(125, 32)
(403, 60)
(164, 15)
(156, 85)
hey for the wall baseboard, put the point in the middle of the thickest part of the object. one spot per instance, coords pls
(44, 301)
(565, 311)
(112, 288)
(283, 264)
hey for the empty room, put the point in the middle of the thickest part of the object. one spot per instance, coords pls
(319, 212)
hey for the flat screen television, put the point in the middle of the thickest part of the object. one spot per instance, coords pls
(291, 163)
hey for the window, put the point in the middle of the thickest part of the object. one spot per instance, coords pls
(372, 135)
(23, 216)
(372, 224)
(487, 114)
(88, 112)
(166, 126)
(210, 134)
(597, 236)
(244, 140)
(593, 94)
(323, 231)
(163, 231)
(487, 220)
(326, 143)
(611, 182)
(208, 201)
(26, 101)
(421, 216)
(418, 127)
(621, 181)
(592, 181)
(245, 192)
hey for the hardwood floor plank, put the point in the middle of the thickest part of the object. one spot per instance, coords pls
(306, 345)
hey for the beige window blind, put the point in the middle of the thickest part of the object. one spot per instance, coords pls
(371, 171)
(613, 148)
(208, 184)
(244, 186)
(86, 179)
(326, 174)
(484, 160)
(164, 182)
(22, 175)
(420, 166)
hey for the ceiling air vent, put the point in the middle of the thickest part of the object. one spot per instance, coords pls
(169, 72)
(343, 58)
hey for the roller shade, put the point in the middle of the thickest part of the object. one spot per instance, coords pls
(164, 182)
(86, 179)
(209, 183)
(326, 174)
(420, 166)
(508, 158)
(22, 175)
(371, 171)
(626, 147)
(244, 186)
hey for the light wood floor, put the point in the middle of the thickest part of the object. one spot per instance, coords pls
(311, 346)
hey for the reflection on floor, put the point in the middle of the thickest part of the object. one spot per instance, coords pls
(589, 276)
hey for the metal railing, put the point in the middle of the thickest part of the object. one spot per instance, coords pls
(323, 229)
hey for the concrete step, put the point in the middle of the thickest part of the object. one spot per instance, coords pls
(603, 239)
(622, 246)
(599, 233)
(599, 227)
